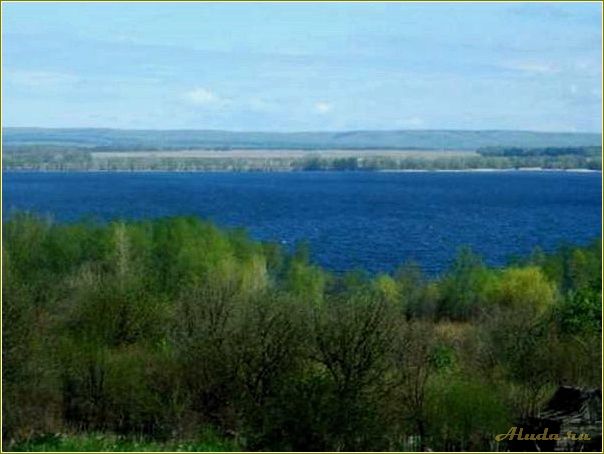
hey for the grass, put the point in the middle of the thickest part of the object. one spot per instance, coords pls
(96, 441)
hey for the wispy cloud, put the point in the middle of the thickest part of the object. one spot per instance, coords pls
(494, 70)
(201, 96)
(323, 107)
(44, 79)
(532, 67)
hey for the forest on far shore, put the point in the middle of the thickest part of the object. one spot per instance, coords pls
(173, 334)
(69, 158)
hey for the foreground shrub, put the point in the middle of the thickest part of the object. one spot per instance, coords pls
(141, 335)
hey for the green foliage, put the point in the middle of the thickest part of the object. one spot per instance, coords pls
(386, 289)
(464, 414)
(546, 151)
(466, 289)
(524, 287)
(68, 150)
(580, 312)
(304, 279)
(208, 441)
(138, 335)
(574, 268)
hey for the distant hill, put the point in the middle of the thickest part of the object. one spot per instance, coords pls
(120, 139)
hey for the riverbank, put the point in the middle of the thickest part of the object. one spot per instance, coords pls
(297, 160)
(529, 169)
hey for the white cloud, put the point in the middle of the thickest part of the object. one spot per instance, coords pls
(34, 78)
(323, 107)
(203, 97)
(207, 98)
(532, 67)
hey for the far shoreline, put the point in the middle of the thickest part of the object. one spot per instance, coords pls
(481, 170)
(522, 169)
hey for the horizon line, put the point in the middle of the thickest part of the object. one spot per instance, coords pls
(243, 131)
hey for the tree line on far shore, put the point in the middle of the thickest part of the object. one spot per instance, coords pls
(58, 158)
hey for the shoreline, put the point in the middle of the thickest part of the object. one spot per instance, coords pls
(480, 170)
(522, 169)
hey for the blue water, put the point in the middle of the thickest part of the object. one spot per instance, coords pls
(373, 221)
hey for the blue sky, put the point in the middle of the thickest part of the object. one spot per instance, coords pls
(303, 66)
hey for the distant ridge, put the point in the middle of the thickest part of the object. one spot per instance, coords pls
(122, 139)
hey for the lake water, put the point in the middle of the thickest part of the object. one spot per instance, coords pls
(351, 220)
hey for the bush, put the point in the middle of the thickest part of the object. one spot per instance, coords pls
(141, 335)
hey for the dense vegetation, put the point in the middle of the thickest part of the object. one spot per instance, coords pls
(83, 149)
(173, 334)
(547, 151)
(65, 159)
(453, 162)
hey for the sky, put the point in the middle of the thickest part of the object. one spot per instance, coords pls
(303, 66)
